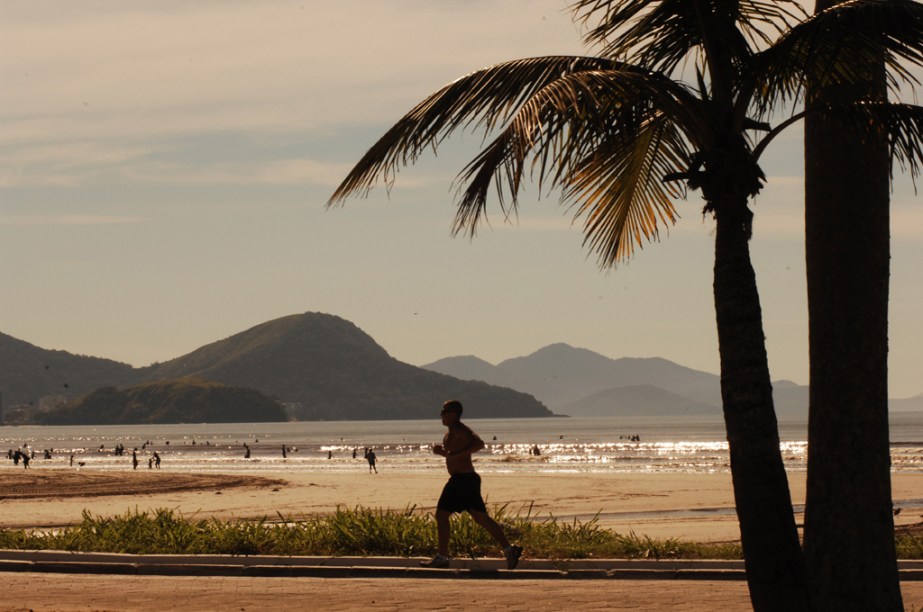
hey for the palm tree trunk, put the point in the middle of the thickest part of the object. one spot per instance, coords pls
(774, 562)
(849, 525)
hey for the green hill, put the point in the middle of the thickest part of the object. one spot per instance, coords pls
(188, 400)
(326, 368)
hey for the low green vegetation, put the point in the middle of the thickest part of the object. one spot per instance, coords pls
(366, 532)
(347, 532)
(909, 545)
(183, 400)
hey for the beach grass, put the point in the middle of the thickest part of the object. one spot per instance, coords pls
(352, 531)
(909, 545)
(368, 532)
(363, 531)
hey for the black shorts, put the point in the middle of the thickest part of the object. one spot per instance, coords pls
(461, 493)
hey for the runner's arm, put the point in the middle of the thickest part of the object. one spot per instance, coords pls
(473, 445)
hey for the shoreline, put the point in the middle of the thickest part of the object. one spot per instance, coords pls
(692, 507)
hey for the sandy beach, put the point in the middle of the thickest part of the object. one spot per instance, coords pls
(688, 506)
(695, 507)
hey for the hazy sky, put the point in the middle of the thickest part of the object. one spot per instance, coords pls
(164, 167)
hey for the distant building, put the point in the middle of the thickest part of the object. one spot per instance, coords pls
(292, 409)
(47, 403)
(20, 414)
(23, 414)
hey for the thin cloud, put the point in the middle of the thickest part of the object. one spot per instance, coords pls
(66, 163)
(101, 94)
(273, 172)
(148, 68)
(40, 220)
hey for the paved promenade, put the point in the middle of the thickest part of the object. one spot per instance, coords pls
(72, 582)
(73, 592)
(66, 592)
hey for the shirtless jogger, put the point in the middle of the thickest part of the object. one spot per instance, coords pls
(463, 491)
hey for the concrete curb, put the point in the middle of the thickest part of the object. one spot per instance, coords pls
(380, 567)
(360, 567)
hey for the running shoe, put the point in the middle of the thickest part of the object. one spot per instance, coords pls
(437, 562)
(512, 555)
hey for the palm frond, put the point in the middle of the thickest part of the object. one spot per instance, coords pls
(661, 34)
(620, 191)
(835, 46)
(607, 138)
(901, 125)
(483, 99)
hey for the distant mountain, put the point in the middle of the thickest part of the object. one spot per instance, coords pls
(320, 366)
(469, 367)
(577, 372)
(474, 368)
(562, 377)
(28, 372)
(632, 400)
(910, 404)
(330, 369)
(189, 400)
(790, 398)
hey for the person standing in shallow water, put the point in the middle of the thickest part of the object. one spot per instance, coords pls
(371, 458)
(463, 491)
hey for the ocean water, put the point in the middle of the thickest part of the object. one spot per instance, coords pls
(598, 444)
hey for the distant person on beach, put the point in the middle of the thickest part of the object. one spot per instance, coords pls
(463, 491)
(134, 460)
(246, 451)
(156, 460)
(371, 458)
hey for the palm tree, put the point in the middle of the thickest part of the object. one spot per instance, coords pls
(847, 203)
(622, 136)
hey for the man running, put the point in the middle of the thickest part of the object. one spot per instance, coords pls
(463, 491)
